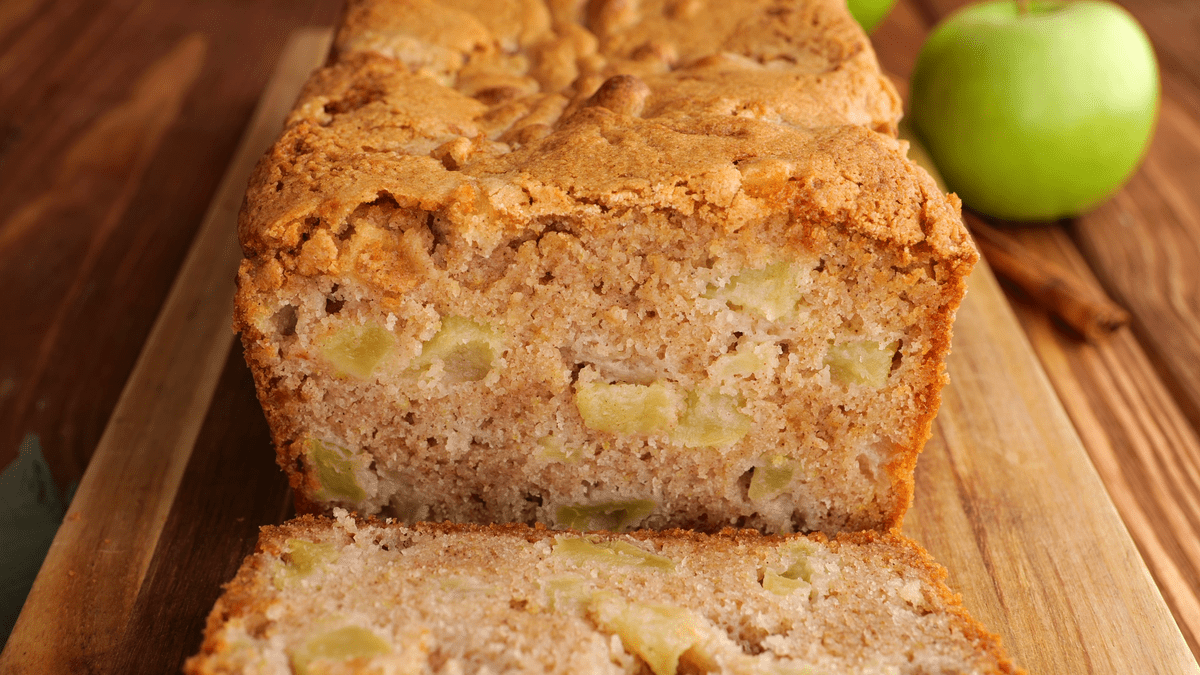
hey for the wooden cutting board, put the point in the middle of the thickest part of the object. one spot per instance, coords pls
(184, 475)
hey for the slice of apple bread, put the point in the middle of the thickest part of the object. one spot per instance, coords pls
(669, 303)
(324, 596)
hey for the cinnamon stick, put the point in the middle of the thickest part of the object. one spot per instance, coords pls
(1088, 311)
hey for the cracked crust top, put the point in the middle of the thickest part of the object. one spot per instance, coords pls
(507, 49)
(481, 111)
(726, 136)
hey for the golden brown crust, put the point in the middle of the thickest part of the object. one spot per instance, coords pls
(360, 126)
(911, 554)
(498, 50)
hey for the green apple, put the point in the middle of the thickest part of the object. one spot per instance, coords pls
(869, 13)
(1036, 113)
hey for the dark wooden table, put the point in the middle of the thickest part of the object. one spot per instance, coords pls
(118, 119)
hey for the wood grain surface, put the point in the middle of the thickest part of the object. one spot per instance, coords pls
(92, 577)
(118, 118)
(1138, 437)
(1155, 268)
(1135, 398)
(1008, 501)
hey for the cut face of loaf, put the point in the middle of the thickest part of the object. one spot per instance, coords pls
(323, 597)
(668, 302)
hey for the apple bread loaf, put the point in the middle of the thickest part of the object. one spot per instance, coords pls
(669, 301)
(324, 596)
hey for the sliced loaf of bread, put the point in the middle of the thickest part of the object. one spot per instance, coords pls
(674, 318)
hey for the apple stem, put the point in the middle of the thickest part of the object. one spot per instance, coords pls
(1022, 6)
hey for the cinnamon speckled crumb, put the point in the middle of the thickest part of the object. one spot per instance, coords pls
(506, 599)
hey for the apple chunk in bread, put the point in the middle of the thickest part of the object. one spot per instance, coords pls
(658, 633)
(467, 350)
(626, 408)
(615, 516)
(771, 477)
(610, 553)
(335, 469)
(770, 292)
(346, 644)
(861, 362)
(357, 350)
(711, 418)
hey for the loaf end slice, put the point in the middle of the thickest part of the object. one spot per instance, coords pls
(325, 596)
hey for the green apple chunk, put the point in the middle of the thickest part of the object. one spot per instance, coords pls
(772, 292)
(1040, 113)
(466, 349)
(781, 585)
(465, 586)
(552, 449)
(711, 419)
(861, 362)
(306, 556)
(771, 476)
(626, 408)
(610, 553)
(659, 634)
(747, 360)
(356, 350)
(335, 471)
(338, 646)
(615, 516)
(798, 574)
(566, 591)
